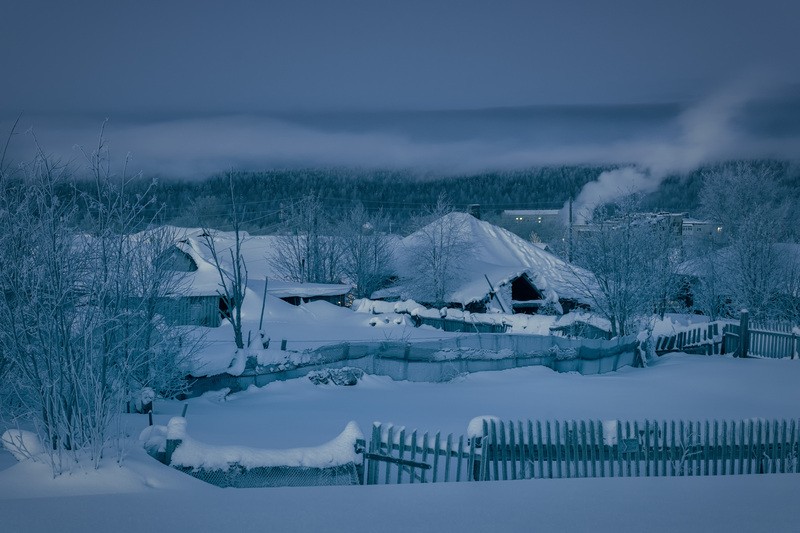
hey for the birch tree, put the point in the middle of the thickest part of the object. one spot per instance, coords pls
(230, 265)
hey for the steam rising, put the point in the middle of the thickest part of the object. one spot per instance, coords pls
(707, 132)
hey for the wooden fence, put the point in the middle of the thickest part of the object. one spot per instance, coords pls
(397, 456)
(525, 450)
(705, 339)
(772, 340)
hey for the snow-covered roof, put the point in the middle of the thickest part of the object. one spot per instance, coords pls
(257, 252)
(487, 251)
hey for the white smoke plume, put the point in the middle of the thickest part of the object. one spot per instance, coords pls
(706, 133)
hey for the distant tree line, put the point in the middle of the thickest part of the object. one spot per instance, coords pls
(401, 195)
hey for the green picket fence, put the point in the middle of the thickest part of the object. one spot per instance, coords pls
(565, 449)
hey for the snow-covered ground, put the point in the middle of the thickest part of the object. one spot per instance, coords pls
(145, 495)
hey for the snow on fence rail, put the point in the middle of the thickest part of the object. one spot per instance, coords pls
(338, 462)
(593, 448)
(494, 450)
(437, 361)
(772, 340)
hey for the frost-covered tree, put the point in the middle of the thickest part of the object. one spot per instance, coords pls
(74, 334)
(754, 213)
(307, 249)
(437, 251)
(366, 249)
(230, 265)
(632, 257)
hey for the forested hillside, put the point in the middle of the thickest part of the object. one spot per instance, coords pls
(402, 195)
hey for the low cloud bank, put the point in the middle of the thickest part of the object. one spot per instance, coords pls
(197, 147)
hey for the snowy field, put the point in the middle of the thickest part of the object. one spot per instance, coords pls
(143, 495)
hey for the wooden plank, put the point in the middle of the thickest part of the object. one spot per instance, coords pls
(758, 453)
(783, 447)
(394, 460)
(559, 457)
(493, 441)
(531, 450)
(448, 454)
(389, 445)
(568, 451)
(628, 455)
(740, 448)
(706, 448)
(593, 448)
(425, 452)
(725, 451)
(682, 448)
(540, 448)
(774, 448)
(460, 457)
(666, 465)
(512, 455)
(523, 457)
(436, 453)
(584, 442)
(750, 442)
(672, 449)
(401, 448)
(638, 455)
(697, 457)
(601, 448)
(716, 454)
(765, 463)
(549, 450)
(793, 451)
(620, 464)
(574, 453)
(372, 466)
(412, 474)
(503, 456)
(656, 445)
(648, 455)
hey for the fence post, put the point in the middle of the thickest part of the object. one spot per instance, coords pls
(744, 333)
(172, 445)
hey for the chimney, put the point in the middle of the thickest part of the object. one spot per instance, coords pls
(474, 210)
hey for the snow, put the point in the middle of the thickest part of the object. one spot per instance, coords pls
(23, 445)
(475, 426)
(692, 504)
(195, 454)
(142, 494)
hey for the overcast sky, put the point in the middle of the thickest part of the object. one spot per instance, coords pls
(195, 57)
(194, 87)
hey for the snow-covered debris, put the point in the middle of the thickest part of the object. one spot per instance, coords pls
(343, 377)
(193, 454)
